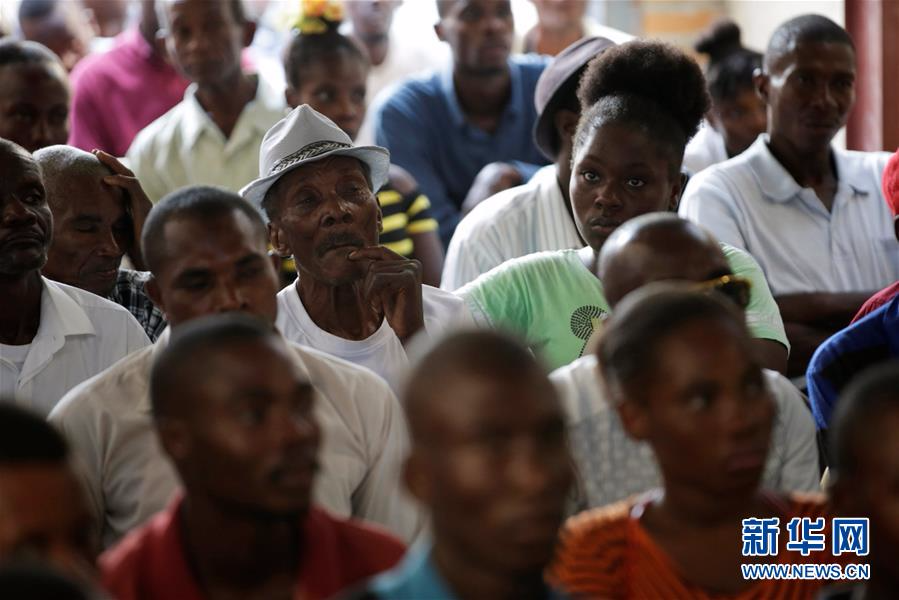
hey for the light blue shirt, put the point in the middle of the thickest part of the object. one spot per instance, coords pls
(416, 578)
(753, 203)
(423, 125)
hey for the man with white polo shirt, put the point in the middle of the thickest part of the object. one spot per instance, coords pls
(212, 136)
(812, 215)
(536, 216)
(353, 298)
(612, 465)
(207, 251)
(52, 336)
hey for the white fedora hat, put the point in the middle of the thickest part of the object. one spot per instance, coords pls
(302, 137)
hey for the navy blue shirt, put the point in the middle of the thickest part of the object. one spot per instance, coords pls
(424, 127)
(847, 353)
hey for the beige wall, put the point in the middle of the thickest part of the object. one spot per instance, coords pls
(759, 18)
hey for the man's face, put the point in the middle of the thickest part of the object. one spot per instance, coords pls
(479, 33)
(205, 40)
(26, 225)
(371, 18)
(496, 480)
(250, 434)
(91, 234)
(66, 32)
(705, 409)
(214, 266)
(809, 91)
(324, 211)
(34, 105)
(619, 173)
(43, 515)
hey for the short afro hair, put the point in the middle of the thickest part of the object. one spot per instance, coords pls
(201, 202)
(731, 65)
(804, 29)
(653, 86)
(18, 52)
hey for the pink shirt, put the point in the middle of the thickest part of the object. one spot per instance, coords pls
(118, 93)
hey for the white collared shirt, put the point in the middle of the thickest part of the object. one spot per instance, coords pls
(79, 335)
(108, 420)
(612, 466)
(753, 203)
(382, 351)
(515, 222)
(185, 147)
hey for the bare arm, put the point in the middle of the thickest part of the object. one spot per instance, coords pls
(772, 355)
(812, 318)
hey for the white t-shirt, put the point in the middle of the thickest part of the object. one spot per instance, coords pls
(128, 478)
(79, 335)
(14, 357)
(382, 351)
(753, 203)
(516, 222)
(612, 466)
(704, 150)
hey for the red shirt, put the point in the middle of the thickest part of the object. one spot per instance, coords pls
(876, 301)
(117, 93)
(149, 563)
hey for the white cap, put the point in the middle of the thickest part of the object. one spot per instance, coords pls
(302, 137)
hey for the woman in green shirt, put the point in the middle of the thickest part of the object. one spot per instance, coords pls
(640, 104)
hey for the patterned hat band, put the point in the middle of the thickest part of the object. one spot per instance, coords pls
(306, 152)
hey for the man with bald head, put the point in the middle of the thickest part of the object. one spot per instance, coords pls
(207, 252)
(490, 462)
(662, 247)
(236, 415)
(98, 211)
(52, 336)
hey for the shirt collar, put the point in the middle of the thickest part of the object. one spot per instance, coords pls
(256, 114)
(776, 182)
(60, 314)
(448, 87)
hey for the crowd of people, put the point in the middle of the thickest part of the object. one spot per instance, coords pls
(554, 315)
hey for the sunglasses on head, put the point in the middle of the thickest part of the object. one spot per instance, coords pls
(735, 288)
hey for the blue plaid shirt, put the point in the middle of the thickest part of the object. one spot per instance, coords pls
(130, 292)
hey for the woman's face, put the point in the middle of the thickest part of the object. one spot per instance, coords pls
(617, 174)
(740, 120)
(335, 87)
(705, 408)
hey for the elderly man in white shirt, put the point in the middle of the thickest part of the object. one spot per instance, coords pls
(813, 216)
(207, 251)
(612, 465)
(537, 216)
(52, 336)
(353, 298)
(212, 136)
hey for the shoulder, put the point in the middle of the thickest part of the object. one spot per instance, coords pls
(99, 310)
(856, 160)
(160, 133)
(130, 563)
(501, 211)
(411, 93)
(537, 267)
(530, 65)
(370, 547)
(578, 387)
(439, 302)
(112, 390)
(593, 549)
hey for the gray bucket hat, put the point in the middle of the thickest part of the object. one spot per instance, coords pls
(302, 137)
